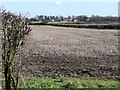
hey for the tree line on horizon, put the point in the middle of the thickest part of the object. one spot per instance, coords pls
(78, 19)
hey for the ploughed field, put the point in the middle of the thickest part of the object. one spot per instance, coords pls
(58, 51)
(0, 52)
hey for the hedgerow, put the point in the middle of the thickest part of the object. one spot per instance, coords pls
(92, 26)
(14, 28)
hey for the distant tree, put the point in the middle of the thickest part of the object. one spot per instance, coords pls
(69, 17)
(82, 18)
(40, 17)
(61, 18)
(32, 19)
(57, 19)
(73, 16)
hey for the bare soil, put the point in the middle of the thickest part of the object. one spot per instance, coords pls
(57, 51)
(0, 52)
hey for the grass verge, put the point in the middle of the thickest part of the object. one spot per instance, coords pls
(64, 82)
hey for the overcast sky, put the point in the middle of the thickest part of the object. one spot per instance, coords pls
(63, 7)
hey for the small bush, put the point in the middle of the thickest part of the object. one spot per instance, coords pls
(44, 22)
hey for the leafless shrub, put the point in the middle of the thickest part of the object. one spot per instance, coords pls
(14, 29)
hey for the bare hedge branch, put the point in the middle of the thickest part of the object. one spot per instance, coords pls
(14, 29)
